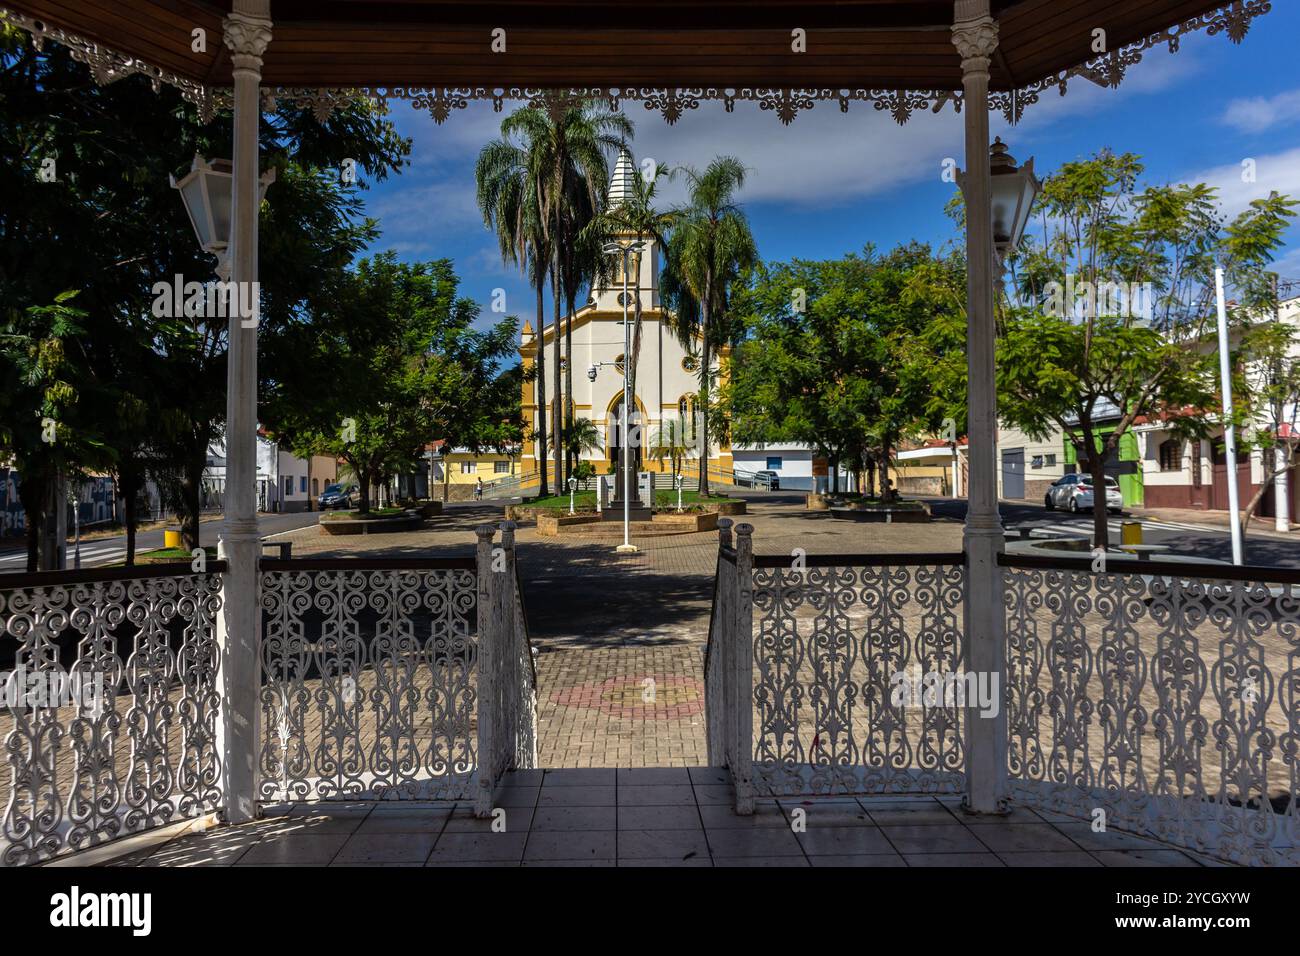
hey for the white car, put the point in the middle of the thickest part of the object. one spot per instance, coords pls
(1074, 493)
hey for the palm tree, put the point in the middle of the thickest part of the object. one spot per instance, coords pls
(580, 436)
(566, 147)
(671, 441)
(637, 218)
(710, 245)
(510, 198)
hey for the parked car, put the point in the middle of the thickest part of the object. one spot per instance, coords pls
(1074, 493)
(767, 479)
(338, 496)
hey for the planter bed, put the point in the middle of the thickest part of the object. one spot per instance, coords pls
(665, 523)
(886, 514)
(407, 521)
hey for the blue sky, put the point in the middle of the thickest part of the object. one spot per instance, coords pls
(832, 182)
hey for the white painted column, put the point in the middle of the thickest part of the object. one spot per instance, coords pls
(975, 34)
(247, 32)
(1281, 491)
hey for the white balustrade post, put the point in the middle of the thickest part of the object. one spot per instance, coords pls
(742, 672)
(488, 653)
(247, 31)
(510, 641)
(975, 34)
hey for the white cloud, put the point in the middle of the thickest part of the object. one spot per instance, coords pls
(1276, 172)
(1259, 114)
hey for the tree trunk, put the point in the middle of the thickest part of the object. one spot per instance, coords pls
(543, 489)
(191, 483)
(1097, 473)
(706, 357)
(129, 488)
(31, 492)
(570, 454)
(835, 476)
(363, 486)
(559, 387)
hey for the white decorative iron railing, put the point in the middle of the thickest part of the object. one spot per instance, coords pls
(110, 704)
(1161, 699)
(394, 678)
(847, 681)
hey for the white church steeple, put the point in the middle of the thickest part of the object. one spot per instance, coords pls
(622, 185)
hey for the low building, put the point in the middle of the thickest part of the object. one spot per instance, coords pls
(797, 465)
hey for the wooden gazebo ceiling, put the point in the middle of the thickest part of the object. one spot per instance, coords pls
(855, 44)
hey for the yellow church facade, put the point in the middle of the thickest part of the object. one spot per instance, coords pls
(666, 375)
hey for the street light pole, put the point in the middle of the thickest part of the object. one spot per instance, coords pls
(1229, 430)
(616, 248)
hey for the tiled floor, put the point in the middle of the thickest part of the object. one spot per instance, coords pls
(654, 817)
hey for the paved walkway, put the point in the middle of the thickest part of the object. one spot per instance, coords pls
(655, 817)
(621, 637)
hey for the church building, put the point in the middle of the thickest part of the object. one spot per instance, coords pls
(667, 375)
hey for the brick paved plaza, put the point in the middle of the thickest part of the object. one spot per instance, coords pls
(605, 623)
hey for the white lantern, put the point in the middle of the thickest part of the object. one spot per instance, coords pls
(207, 191)
(1012, 197)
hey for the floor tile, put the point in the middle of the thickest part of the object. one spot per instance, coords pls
(387, 848)
(659, 818)
(693, 861)
(479, 847)
(659, 795)
(652, 776)
(661, 844)
(523, 778)
(1024, 837)
(1071, 858)
(870, 859)
(715, 794)
(589, 777)
(516, 797)
(572, 845)
(828, 812)
(725, 818)
(759, 841)
(932, 838)
(1082, 833)
(913, 814)
(414, 821)
(574, 818)
(597, 796)
(759, 861)
(703, 776)
(828, 841)
(1143, 858)
(952, 859)
(295, 850)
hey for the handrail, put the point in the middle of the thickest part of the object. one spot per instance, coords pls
(170, 569)
(1132, 565)
(456, 562)
(895, 560)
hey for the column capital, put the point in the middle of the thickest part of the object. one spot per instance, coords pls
(976, 39)
(247, 38)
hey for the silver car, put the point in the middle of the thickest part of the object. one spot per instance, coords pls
(1074, 493)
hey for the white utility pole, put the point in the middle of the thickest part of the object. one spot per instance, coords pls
(1229, 431)
(1281, 492)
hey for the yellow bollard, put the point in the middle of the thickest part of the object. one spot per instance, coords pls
(1130, 532)
(171, 538)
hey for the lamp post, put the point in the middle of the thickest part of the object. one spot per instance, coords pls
(678, 480)
(206, 191)
(573, 486)
(625, 250)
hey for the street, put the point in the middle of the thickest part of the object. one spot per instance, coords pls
(1189, 540)
(106, 551)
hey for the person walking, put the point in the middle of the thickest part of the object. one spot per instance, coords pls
(478, 489)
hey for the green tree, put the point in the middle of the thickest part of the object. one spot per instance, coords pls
(407, 366)
(710, 245)
(1082, 341)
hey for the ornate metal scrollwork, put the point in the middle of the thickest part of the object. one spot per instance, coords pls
(122, 737)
